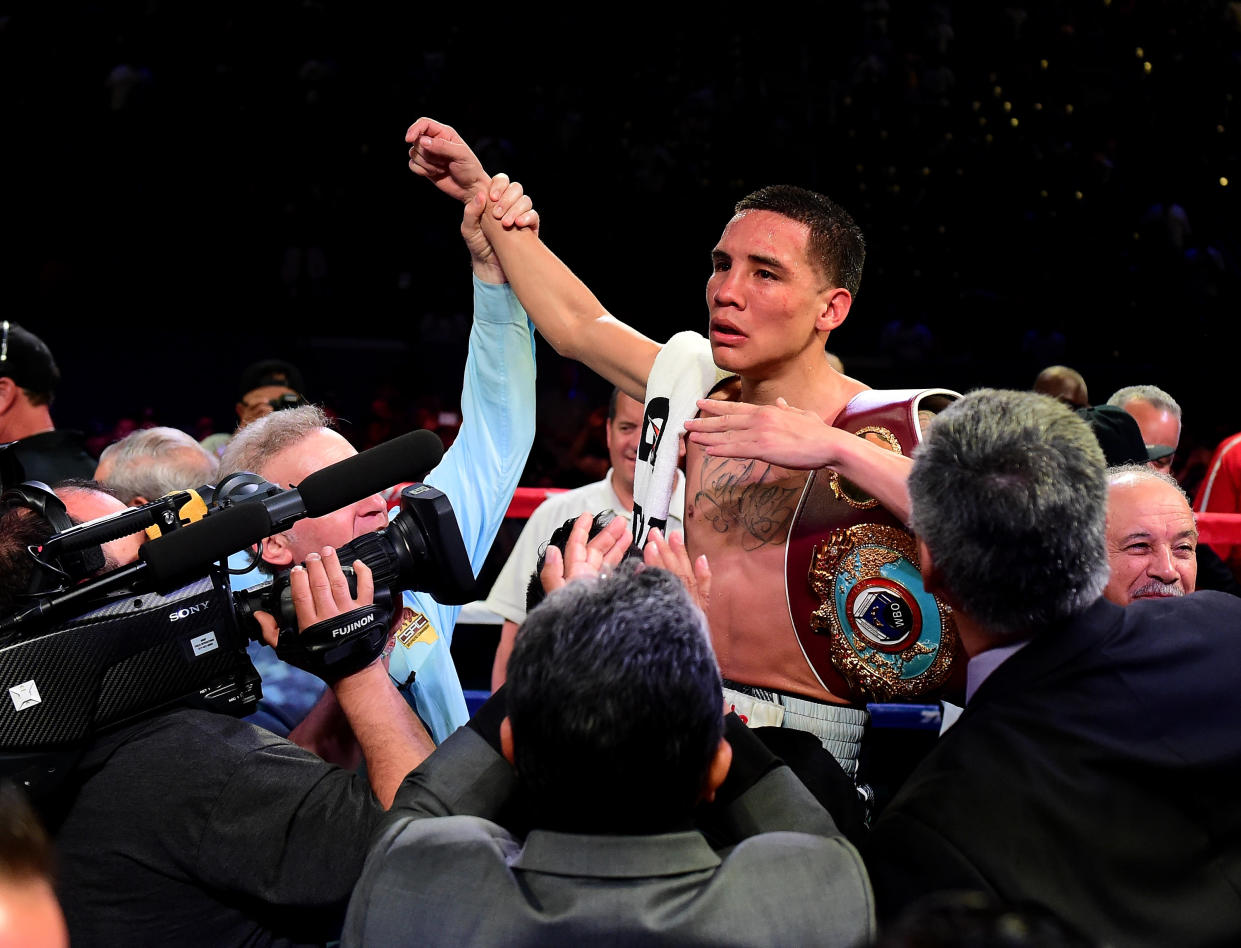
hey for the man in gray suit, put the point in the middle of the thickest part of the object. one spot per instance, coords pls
(610, 728)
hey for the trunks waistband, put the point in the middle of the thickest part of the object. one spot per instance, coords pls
(839, 727)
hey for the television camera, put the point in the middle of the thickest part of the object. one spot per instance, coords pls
(85, 653)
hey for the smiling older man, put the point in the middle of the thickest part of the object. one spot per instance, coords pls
(1151, 536)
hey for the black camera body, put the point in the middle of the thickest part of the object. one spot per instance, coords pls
(131, 655)
(136, 649)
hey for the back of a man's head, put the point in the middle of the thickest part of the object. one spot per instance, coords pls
(835, 245)
(151, 462)
(1009, 495)
(1159, 420)
(560, 539)
(20, 529)
(26, 359)
(615, 703)
(29, 913)
(23, 527)
(252, 446)
(1145, 393)
(1063, 384)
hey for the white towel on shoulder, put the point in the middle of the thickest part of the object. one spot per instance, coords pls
(684, 371)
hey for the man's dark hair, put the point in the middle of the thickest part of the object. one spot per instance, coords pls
(20, 529)
(612, 402)
(836, 243)
(615, 702)
(85, 484)
(25, 853)
(1009, 495)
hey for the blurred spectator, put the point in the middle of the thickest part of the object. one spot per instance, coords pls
(1151, 537)
(30, 916)
(265, 386)
(1119, 436)
(1064, 384)
(28, 379)
(152, 462)
(1159, 418)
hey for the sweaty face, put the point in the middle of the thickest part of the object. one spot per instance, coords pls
(624, 432)
(289, 468)
(1159, 426)
(257, 402)
(765, 297)
(1151, 541)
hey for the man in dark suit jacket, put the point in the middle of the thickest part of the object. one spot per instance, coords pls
(613, 734)
(1096, 767)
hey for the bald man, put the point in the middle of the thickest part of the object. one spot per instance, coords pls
(1064, 384)
(1158, 416)
(149, 463)
(1151, 536)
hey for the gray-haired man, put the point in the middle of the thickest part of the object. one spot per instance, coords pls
(149, 463)
(1094, 769)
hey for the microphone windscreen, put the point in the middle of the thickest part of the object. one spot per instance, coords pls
(192, 548)
(407, 458)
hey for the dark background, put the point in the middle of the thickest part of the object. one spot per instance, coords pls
(188, 188)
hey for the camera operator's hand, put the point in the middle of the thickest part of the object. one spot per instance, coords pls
(320, 592)
(392, 738)
(337, 634)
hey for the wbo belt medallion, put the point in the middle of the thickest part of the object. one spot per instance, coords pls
(889, 637)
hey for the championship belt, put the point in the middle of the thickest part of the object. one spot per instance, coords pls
(866, 625)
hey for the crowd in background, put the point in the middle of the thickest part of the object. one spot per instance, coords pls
(1039, 183)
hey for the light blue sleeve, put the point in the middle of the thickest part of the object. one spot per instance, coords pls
(478, 474)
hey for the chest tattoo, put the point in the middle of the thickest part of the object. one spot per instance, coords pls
(734, 495)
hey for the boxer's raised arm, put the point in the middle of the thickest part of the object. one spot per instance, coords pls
(440, 155)
(562, 308)
(566, 312)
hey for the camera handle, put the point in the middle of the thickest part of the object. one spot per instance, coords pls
(342, 645)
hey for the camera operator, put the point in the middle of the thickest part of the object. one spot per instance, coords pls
(478, 473)
(193, 827)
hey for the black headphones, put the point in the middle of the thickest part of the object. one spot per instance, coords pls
(73, 567)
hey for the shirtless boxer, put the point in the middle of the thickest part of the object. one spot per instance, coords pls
(784, 274)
